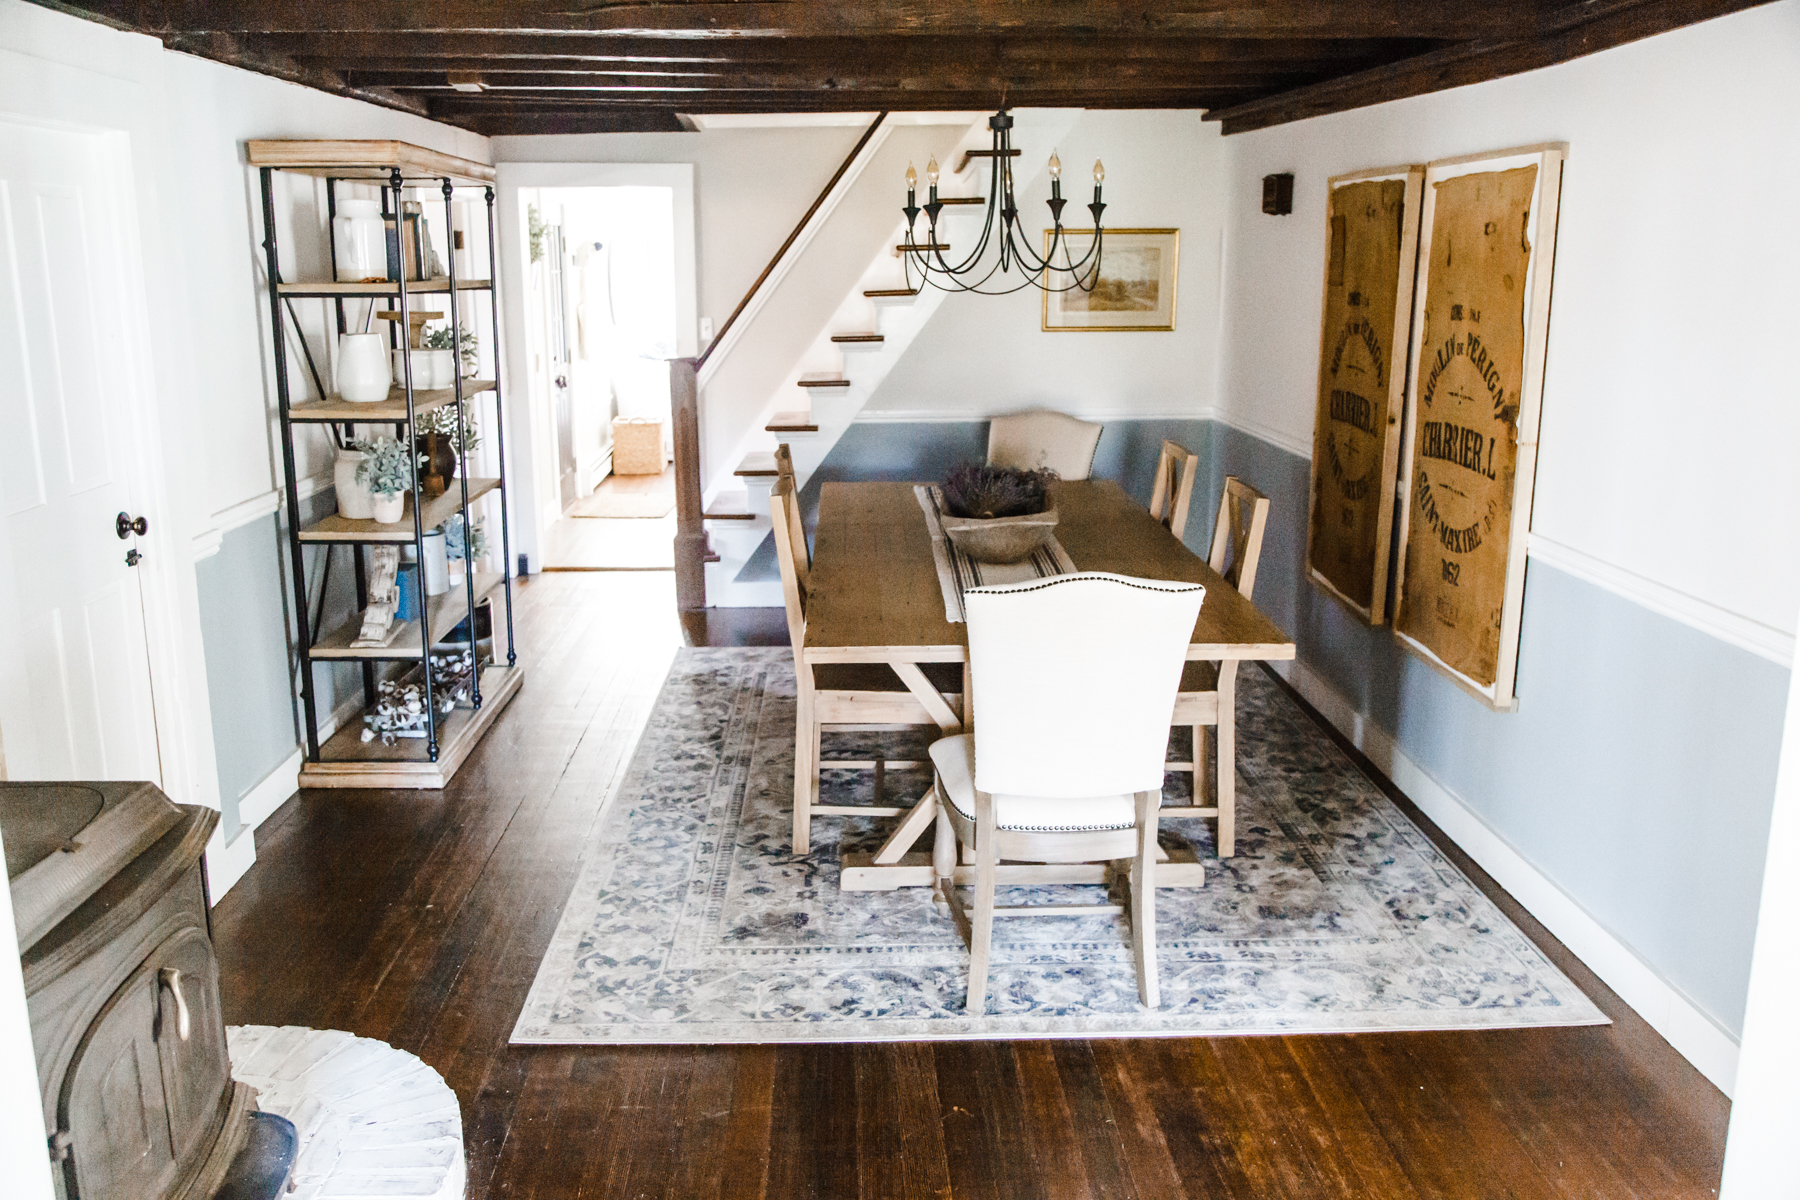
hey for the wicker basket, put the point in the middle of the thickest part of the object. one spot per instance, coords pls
(637, 446)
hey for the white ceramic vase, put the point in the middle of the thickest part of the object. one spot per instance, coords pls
(362, 367)
(389, 508)
(443, 367)
(437, 564)
(359, 240)
(353, 499)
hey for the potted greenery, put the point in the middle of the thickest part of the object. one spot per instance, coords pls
(463, 342)
(387, 471)
(441, 445)
(998, 514)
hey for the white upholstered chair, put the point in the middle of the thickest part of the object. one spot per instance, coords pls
(1073, 678)
(1208, 693)
(1173, 490)
(1032, 440)
(844, 696)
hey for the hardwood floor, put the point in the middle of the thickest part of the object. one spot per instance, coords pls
(419, 918)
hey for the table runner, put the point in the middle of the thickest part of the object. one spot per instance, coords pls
(957, 572)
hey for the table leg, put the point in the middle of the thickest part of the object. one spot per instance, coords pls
(911, 828)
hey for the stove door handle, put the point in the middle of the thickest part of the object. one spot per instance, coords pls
(170, 978)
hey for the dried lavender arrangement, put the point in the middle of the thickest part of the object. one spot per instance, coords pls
(973, 489)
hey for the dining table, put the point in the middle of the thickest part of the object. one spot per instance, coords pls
(876, 597)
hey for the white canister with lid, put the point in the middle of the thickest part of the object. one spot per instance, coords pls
(353, 499)
(359, 240)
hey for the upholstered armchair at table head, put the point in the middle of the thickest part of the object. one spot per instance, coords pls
(1032, 440)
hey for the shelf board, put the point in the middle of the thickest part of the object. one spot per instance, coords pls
(335, 408)
(364, 159)
(445, 611)
(438, 509)
(346, 761)
(381, 287)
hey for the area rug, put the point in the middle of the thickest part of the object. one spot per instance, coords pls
(693, 922)
(632, 496)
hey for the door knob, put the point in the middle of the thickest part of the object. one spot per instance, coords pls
(126, 526)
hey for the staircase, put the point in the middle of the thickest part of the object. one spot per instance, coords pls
(836, 374)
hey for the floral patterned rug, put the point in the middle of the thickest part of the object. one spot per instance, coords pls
(692, 920)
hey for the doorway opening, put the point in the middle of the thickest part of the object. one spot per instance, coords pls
(601, 325)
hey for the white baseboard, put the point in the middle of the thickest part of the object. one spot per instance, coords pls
(226, 862)
(1694, 1035)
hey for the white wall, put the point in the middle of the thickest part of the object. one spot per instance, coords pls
(981, 355)
(1670, 414)
(1627, 802)
(751, 187)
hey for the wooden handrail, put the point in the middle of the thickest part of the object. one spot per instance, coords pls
(792, 237)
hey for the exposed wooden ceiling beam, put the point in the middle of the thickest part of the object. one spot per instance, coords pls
(347, 49)
(1568, 33)
(1144, 82)
(227, 48)
(838, 18)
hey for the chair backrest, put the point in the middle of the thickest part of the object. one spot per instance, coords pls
(792, 557)
(1074, 679)
(1238, 534)
(1031, 440)
(1176, 467)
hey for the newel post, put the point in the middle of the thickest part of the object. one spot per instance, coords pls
(690, 530)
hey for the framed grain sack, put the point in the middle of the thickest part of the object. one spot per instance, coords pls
(1476, 377)
(1371, 249)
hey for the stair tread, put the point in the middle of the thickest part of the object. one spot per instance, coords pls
(792, 422)
(858, 337)
(728, 516)
(903, 247)
(969, 155)
(962, 199)
(877, 292)
(760, 463)
(812, 383)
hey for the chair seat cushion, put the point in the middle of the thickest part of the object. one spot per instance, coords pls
(1200, 676)
(954, 758)
(879, 677)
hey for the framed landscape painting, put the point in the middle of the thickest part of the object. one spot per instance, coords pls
(1371, 248)
(1136, 288)
(1476, 380)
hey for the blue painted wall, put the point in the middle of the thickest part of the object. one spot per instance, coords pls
(246, 605)
(1638, 773)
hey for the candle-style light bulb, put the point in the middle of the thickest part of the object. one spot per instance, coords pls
(1099, 173)
(1055, 166)
(931, 170)
(912, 177)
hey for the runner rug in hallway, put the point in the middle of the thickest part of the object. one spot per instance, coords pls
(692, 921)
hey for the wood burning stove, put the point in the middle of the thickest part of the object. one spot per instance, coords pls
(123, 990)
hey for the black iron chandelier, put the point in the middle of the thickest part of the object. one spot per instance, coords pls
(1001, 230)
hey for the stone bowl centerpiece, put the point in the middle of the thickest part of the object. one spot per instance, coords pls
(998, 514)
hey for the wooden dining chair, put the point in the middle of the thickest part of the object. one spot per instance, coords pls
(1176, 467)
(1073, 678)
(847, 697)
(1042, 438)
(784, 461)
(1208, 694)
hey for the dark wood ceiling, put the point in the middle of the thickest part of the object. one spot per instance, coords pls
(582, 66)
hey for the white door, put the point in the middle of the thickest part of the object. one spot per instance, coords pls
(75, 698)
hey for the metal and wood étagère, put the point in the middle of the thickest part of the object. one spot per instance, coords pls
(346, 760)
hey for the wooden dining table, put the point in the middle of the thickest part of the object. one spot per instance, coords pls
(875, 598)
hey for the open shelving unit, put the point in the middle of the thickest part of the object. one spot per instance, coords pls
(345, 759)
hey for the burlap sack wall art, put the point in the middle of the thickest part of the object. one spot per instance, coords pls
(1488, 235)
(1372, 234)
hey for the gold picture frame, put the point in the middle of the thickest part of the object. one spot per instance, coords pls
(1140, 300)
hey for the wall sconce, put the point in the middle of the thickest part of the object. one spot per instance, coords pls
(1278, 194)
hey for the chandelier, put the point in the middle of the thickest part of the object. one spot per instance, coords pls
(1002, 233)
